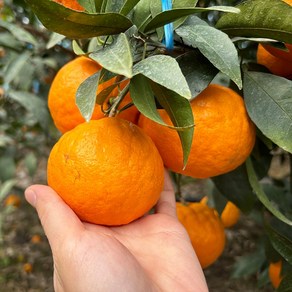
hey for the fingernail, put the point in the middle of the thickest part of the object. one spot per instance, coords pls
(30, 196)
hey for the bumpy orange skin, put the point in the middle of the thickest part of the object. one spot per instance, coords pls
(277, 66)
(275, 273)
(229, 216)
(205, 230)
(62, 95)
(108, 171)
(223, 137)
(73, 4)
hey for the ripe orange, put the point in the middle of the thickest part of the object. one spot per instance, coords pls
(275, 273)
(276, 65)
(223, 138)
(205, 229)
(62, 94)
(73, 4)
(230, 214)
(12, 200)
(281, 53)
(108, 171)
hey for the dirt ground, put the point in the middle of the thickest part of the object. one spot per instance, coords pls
(26, 263)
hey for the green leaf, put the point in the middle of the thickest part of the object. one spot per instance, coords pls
(165, 71)
(236, 188)
(77, 25)
(86, 96)
(104, 94)
(6, 187)
(77, 49)
(15, 66)
(55, 38)
(9, 41)
(176, 13)
(116, 57)
(180, 113)
(269, 104)
(286, 284)
(249, 264)
(281, 243)
(36, 106)
(142, 13)
(262, 196)
(19, 33)
(216, 46)
(198, 71)
(31, 163)
(128, 6)
(260, 18)
(7, 168)
(89, 5)
(143, 98)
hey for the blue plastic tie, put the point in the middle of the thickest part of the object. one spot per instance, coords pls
(168, 28)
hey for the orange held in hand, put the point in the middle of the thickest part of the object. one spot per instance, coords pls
(62, 95)
(205, 230)
(223, 137)
(108, 171)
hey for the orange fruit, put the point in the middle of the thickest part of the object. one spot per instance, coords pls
(62, 94)
(275, 64)
(223, 137)
(108, 171)
(27, 268)
(73, 4)
(230, 214)
(285, 55)
(35, 239)
(12, 200)
(275, 273)
(205, 230)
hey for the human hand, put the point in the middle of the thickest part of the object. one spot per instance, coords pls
(153, 253)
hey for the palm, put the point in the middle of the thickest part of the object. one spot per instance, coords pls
(153, 253)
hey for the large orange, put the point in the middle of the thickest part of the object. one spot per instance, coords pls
(108, 171)
(223, 138)
(276, 65)
(62, 94)
(205, 229)
(230, 214)
(275, 273)
(73, 4)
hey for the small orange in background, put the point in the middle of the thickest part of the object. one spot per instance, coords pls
(108, 171)
(27, 268)
(275, 273)
(62, 95)
(205, 230)
(12, 200)
(230, 214)
(224, 135)
(35, 239)
(73, 4)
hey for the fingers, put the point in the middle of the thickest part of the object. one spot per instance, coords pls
(166, 203)
(57, 219)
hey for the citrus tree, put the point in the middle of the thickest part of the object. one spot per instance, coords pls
(158, 59)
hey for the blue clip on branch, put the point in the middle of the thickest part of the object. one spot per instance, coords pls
(168, 28)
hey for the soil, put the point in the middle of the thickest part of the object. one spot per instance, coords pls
(26, 264)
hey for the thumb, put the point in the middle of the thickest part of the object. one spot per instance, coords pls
(57, 219)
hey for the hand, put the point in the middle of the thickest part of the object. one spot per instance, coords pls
(153, 253)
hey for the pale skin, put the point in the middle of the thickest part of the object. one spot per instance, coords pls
(153, 253)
